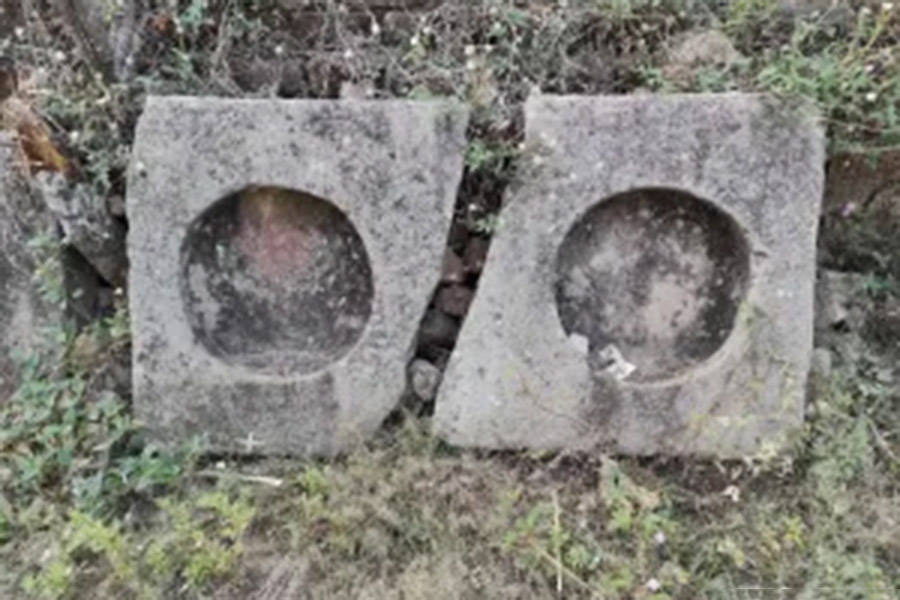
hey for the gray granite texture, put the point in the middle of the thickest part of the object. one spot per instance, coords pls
(282, 256)
(24, 313)
(650, 288)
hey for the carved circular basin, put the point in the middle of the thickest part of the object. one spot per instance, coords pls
(276, 280)
(657, 275)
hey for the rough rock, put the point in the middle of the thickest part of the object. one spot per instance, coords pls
(476, 255)
(87, 225)
(282, 256)
(703, 48)
(696, 50)
(256, 74)
(23, 219)
(351, 90)
(459, 235)
(838, 302)
(822, 363)
(454, 270)
(455, 300)
(326, 73)
(677, 234)
(424, 380)
(438, 329)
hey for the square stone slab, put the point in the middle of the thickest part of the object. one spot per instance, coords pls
(282, 256)
(650, 289)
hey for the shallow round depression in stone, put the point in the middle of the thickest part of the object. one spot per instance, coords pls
(657, 273)
(276, 280)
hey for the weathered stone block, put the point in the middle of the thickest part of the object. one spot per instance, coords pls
(282, 255)
(650, 289)
(23, 313)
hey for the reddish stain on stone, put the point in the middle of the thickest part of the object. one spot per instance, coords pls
(273, 238)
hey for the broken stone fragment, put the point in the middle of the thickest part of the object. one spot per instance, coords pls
(256, 74)
(438, 329)
(87, 225)
(695, 50)
(424, 380)
(703, 49)
(838, 301)
(454, 270)
(24, 313)
(455, 300)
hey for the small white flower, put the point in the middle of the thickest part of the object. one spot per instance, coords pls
(348, 54)
(871, 97)
(654, 585)
(414, 40)
(659, 538)
(59, 56)
(375, 29)
(20, 32)
(733, 492)
(279, 50)
(427, 30)
(887, 6)
(470, 50)
(865, 10)
(73, 136)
